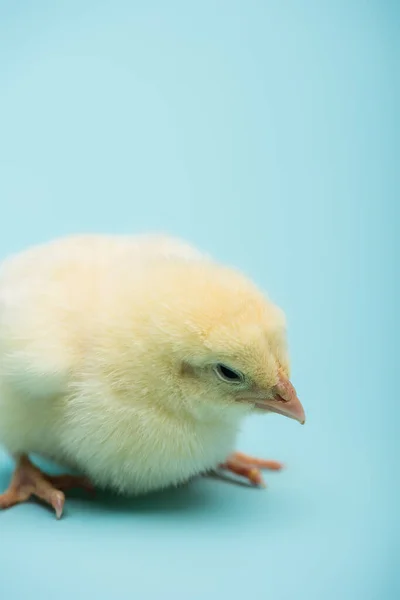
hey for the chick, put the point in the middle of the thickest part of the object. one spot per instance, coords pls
(133, 359)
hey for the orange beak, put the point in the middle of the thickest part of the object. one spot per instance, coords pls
(285, 401)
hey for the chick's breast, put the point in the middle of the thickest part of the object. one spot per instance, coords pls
(78, 365)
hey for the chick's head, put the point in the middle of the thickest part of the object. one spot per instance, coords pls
(226, 344)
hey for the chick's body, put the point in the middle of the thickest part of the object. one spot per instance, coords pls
(101, 338)
(81, 329)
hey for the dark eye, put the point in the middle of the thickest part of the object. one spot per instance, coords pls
(228, 374)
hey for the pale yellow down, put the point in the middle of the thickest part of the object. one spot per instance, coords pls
(107, 348)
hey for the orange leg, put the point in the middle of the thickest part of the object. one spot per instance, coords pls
(29, 481)
(249, 467)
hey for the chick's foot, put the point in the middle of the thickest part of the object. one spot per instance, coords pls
(250, 468)
(28, 480)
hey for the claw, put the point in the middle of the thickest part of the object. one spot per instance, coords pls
(57, 502)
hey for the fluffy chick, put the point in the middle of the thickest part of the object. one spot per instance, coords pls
(133, 360)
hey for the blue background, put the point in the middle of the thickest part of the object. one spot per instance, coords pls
(265, 133)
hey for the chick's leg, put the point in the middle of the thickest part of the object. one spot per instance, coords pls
(30, 481)
(249, 467)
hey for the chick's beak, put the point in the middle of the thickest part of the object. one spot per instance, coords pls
(285, 401)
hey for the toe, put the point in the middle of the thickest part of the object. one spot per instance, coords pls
(68, 482)
(271, 465)
(13, 496)
(255, 477)
(7, 500)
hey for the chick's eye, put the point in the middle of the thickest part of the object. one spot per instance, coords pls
(227, 374)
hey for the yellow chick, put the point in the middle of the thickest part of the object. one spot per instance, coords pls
(133, 359)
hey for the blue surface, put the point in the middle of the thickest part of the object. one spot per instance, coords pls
(265, 133)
